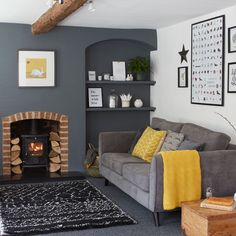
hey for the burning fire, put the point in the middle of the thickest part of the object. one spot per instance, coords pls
(35, 147)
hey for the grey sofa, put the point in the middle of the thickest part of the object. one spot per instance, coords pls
(144, 181)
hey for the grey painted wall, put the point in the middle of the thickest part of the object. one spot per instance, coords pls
(68, 97)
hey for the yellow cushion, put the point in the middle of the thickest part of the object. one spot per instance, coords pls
(148, 144)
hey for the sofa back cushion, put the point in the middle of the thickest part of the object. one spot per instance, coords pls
(212, 140)
(158, 123)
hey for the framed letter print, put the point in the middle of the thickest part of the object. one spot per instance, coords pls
(36, 68)
(232, 77)
(183, 77)
(95, 97)
(207, 78)
(232, 39)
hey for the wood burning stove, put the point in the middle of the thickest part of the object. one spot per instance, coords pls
(34, 150)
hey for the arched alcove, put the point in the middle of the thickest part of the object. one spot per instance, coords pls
(99, 57)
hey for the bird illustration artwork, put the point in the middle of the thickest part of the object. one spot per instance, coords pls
(37, 72)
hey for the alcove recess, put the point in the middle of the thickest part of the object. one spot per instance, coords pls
(99, 57)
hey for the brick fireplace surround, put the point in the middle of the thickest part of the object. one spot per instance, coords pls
(6, 137)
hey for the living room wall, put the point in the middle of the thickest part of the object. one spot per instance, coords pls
(173, 103)
(68, 96)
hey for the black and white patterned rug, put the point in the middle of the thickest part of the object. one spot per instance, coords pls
(56, 206)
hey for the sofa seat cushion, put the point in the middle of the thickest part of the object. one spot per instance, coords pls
(212, 140)
(115, 161)
(137, 174)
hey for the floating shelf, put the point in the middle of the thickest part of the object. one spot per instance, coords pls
(122, 82)
(105, 109)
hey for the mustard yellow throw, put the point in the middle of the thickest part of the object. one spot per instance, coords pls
(182, 178)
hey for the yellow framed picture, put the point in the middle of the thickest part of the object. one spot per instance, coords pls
(36, 68)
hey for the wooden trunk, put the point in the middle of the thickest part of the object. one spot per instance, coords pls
(16, 170)
(16, 162)
(14, 155)
(56, 159)
(54, 137)
(53, 167)
(15, 141)
(197, 221)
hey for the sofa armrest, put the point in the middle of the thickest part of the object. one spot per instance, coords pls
(219, 172)
(115, 141)
(156, 184)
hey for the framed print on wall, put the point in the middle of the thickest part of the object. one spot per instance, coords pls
(232, 77)
(95, 97)
(183, 77)
(36, 68)
(232, 39)
(207, 75)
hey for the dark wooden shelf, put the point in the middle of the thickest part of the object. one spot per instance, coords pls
(105, 109)
(122, 82)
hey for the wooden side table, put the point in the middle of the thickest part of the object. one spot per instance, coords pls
(197, 221)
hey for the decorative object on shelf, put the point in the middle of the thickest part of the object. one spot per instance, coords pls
(232, 77)
(183, 54)
(100, 78)
(208, 62)
(125, 100)
(106, 76)
(113, 99)
(92, 75)
(118, 70)
(36, 68)
(183, 77)
(140, 66)
(95, 97)
(138, 103)
(232, 39)
(129, 77)
(209, 191)
(111, 77)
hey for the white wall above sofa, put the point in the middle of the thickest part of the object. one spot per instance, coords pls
(174, 103)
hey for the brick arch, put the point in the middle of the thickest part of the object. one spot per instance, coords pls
(20, 116)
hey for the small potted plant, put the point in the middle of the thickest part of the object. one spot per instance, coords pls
(140, 67)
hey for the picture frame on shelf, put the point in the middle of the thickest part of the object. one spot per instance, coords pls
(36, 68)
(91, 75)
(119, 71)
(232, 39)
(95, 97)
(232, 77)
(207, 72)
(183, 77)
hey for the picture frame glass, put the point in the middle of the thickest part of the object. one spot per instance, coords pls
(208, 49)
(232, 77)
(36, 68)
(95, 97)
(232, 39)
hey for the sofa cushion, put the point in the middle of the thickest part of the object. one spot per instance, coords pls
(191, 145)
(137, 174)
(147, 145)
(115, 161)
(172, 141)
(158, 123)
(212, 140)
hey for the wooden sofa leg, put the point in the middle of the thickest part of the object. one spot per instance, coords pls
(156, 218)
(106, 182)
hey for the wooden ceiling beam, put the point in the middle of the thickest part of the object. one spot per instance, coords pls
(55, 14)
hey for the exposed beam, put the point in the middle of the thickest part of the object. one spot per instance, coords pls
(55, 14)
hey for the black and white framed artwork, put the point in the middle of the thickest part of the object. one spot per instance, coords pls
(207, 76)
(183, 77)
(232, 39)
(95, 97)
(232, 77)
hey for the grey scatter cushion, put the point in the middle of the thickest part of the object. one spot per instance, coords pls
(190, 145)
(172, 141)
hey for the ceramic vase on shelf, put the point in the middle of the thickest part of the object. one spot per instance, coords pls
(138, 103)
(113, 99)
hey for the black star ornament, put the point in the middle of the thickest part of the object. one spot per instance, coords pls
(183, 54)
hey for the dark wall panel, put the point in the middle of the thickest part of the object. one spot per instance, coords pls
(68, 97)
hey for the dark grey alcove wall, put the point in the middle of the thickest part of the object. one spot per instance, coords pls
(99, 57)
(68, 97)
